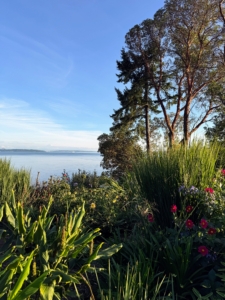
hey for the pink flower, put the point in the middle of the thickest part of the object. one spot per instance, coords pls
(203, 250)
(209, 190)
(223, 172)
(203, 223)
(173, 208)
(189, 224)
(189, 208)
(212, 231)
(150, 218)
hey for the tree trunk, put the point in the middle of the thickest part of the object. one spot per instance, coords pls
(171, 139)
(147, 128)
(186, 123)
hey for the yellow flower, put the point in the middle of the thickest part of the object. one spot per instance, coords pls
(92, 206)
(114, 201)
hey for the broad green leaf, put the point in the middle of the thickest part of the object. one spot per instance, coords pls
(14, 264)
(221, 294)
(6, 278)
(20, 219)
(196, 292)
(109, 251)
(49, 204)
(23, 276)
(86, 238)
(44, 257)
(13, 201)
(95, 253)
(65, 277)
(71, 221)
(48, 222)
(78, 250)
(9, 216)
(47, 291)
(30, 236)
(32, 288)
(38, 235)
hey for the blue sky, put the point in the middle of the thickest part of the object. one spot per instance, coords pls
(58, 66)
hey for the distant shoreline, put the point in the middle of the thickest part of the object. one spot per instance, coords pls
(43, 151)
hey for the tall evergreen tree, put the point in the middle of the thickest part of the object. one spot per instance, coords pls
(136, 103)
(172, 62)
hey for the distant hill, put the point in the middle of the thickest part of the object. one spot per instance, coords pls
(21, 150)
(72, 151)
(43, 151)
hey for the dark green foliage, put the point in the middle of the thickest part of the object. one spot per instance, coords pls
(83, 179)
(58, 248)
(136, 103)
(118, 150)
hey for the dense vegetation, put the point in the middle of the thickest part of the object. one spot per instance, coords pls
(156, 234)
(153, 225)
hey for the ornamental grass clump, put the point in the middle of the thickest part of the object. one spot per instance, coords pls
(10, 178)
(159, 175)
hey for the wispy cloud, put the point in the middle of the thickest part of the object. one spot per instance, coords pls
(44, 59)
(70, 108)
(20, 123)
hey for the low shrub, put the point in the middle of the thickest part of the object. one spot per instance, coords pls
(46, 258)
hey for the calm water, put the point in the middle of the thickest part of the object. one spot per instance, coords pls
(53, 164)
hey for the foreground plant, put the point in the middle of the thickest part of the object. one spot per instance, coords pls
(159, 176)
(47, 257)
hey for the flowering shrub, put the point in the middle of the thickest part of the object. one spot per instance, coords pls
(189, 208)
(206, 230)
(212, 231)
(173, 208)
(150, 218)
(203, 250)
(194, 248)
(203, 223)
(209, 190)
(189, 224)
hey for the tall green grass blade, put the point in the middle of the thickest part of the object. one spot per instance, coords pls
(32, 288)
(23, 276)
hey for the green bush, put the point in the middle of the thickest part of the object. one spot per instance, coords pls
(46, 258)
(159, 175)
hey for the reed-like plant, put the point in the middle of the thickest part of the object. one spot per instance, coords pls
(10, 178)
(136, 283)
(158, 176)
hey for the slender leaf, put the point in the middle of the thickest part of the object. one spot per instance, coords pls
(32, 288)
(9, 216)
(22, 277)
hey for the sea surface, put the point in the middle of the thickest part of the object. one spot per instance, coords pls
(53, 163)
